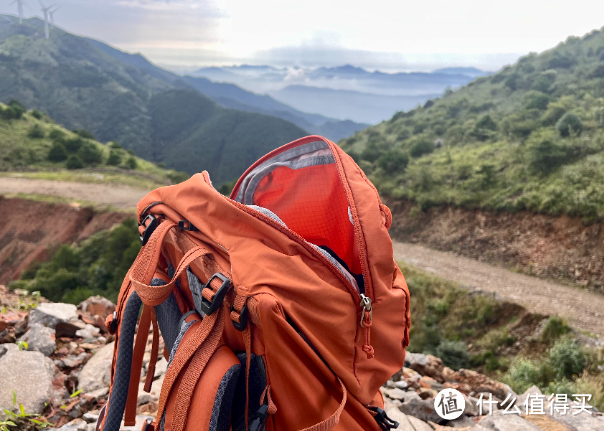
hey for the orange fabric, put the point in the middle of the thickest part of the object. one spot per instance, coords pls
(137, 364)
(154, 354)
(305, 315)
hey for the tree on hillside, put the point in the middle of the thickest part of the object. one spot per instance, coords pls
(57, 152)
(545, 154)
(90, 154)
(569, 122)
(74, 162)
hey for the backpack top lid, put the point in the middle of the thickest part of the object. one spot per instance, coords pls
(320, 193)
(324, 200)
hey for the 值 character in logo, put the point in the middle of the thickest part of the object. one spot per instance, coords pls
(448, 404)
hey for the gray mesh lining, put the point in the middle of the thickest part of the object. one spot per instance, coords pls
(195, 286)
(168, 315)
(268, 213)
(221, 413)
(294, 164)
(286, 155)
(121, 381)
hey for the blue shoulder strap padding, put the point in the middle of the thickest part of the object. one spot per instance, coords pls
(121, 381)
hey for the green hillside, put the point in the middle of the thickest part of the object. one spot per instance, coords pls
(33, 145)
(81, 86)
(530, 137)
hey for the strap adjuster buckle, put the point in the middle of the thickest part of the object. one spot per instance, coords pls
(149, 228)
(208, 307)
(257, 420)
(187, 225)
(243, 318)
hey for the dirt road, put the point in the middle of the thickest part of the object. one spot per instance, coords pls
(118, 196)
(583, 309)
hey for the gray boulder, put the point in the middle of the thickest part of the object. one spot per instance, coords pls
(50, 314)
(40, 338)
(29, 374)
(421, 409)
(510, 422)
(96, 374)
(75, 425)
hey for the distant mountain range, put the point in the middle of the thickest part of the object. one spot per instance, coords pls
(345, 92)
(162, 117)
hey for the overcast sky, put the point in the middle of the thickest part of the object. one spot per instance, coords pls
(375, 34)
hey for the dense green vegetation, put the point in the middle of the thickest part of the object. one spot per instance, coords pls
(474, 331)
(95, 267)
(530, 137)
(84, 84)
(30, 141)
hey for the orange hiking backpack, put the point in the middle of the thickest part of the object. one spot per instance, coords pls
(281, 308)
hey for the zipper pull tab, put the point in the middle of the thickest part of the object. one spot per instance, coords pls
(366, 322)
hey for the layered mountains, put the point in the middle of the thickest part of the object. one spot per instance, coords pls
(189, 124)
(530, 137)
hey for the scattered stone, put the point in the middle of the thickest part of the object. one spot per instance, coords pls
(161, 368)
(40, 338)
(429, 382)
(99, 393)
(89, 333)
(395, 393)
(97, 305)
(401, 418)
(426, 365)
(533, 390)
(50, 314)
(511, 422)
(29, 375)
(481, 383)
(582, 421)
(421, 409)
(96, 374)
(75, 425)
(91, 417)
(548, 423)
(401, 384)
(419, 425)
(427, 393)
(68, 329)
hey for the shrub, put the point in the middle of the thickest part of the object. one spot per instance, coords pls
(372, 151)
(114, 158)
(537, 101)
(36, 132)
(178, 177)
(554, 328)
(544, 81)
(131, 163)
(523, 374)
(227, 188)
(115, 145)
(544, 154)
(56, 134)
(569, 122)
(57, 152)
(90, 154)
(484, 127)
(567, 359)
(598, 72)
(454, 354)
(74, 162)
(513, 81)
(84, 133)
(36, 114)
(393, 161)
(420, 147)
(73, 145)
(560, 61)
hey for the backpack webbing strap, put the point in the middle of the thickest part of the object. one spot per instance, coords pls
(155, 295)
(154, 355)
(206, 338)
(193, 372)
(137, 364)
(334, 419)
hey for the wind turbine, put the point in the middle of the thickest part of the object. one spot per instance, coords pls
(20, 4)
(45, 10)
(51, 13)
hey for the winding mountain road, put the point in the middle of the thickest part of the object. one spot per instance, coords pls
(584, 310)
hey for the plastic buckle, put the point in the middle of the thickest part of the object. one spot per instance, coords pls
(147, 426)
(113, 325)
(208, 307)
(149, 228)
(385, 422)
(257, 420)
(243, 318)
(187, 225)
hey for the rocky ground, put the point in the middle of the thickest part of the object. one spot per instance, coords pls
(56, 367)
